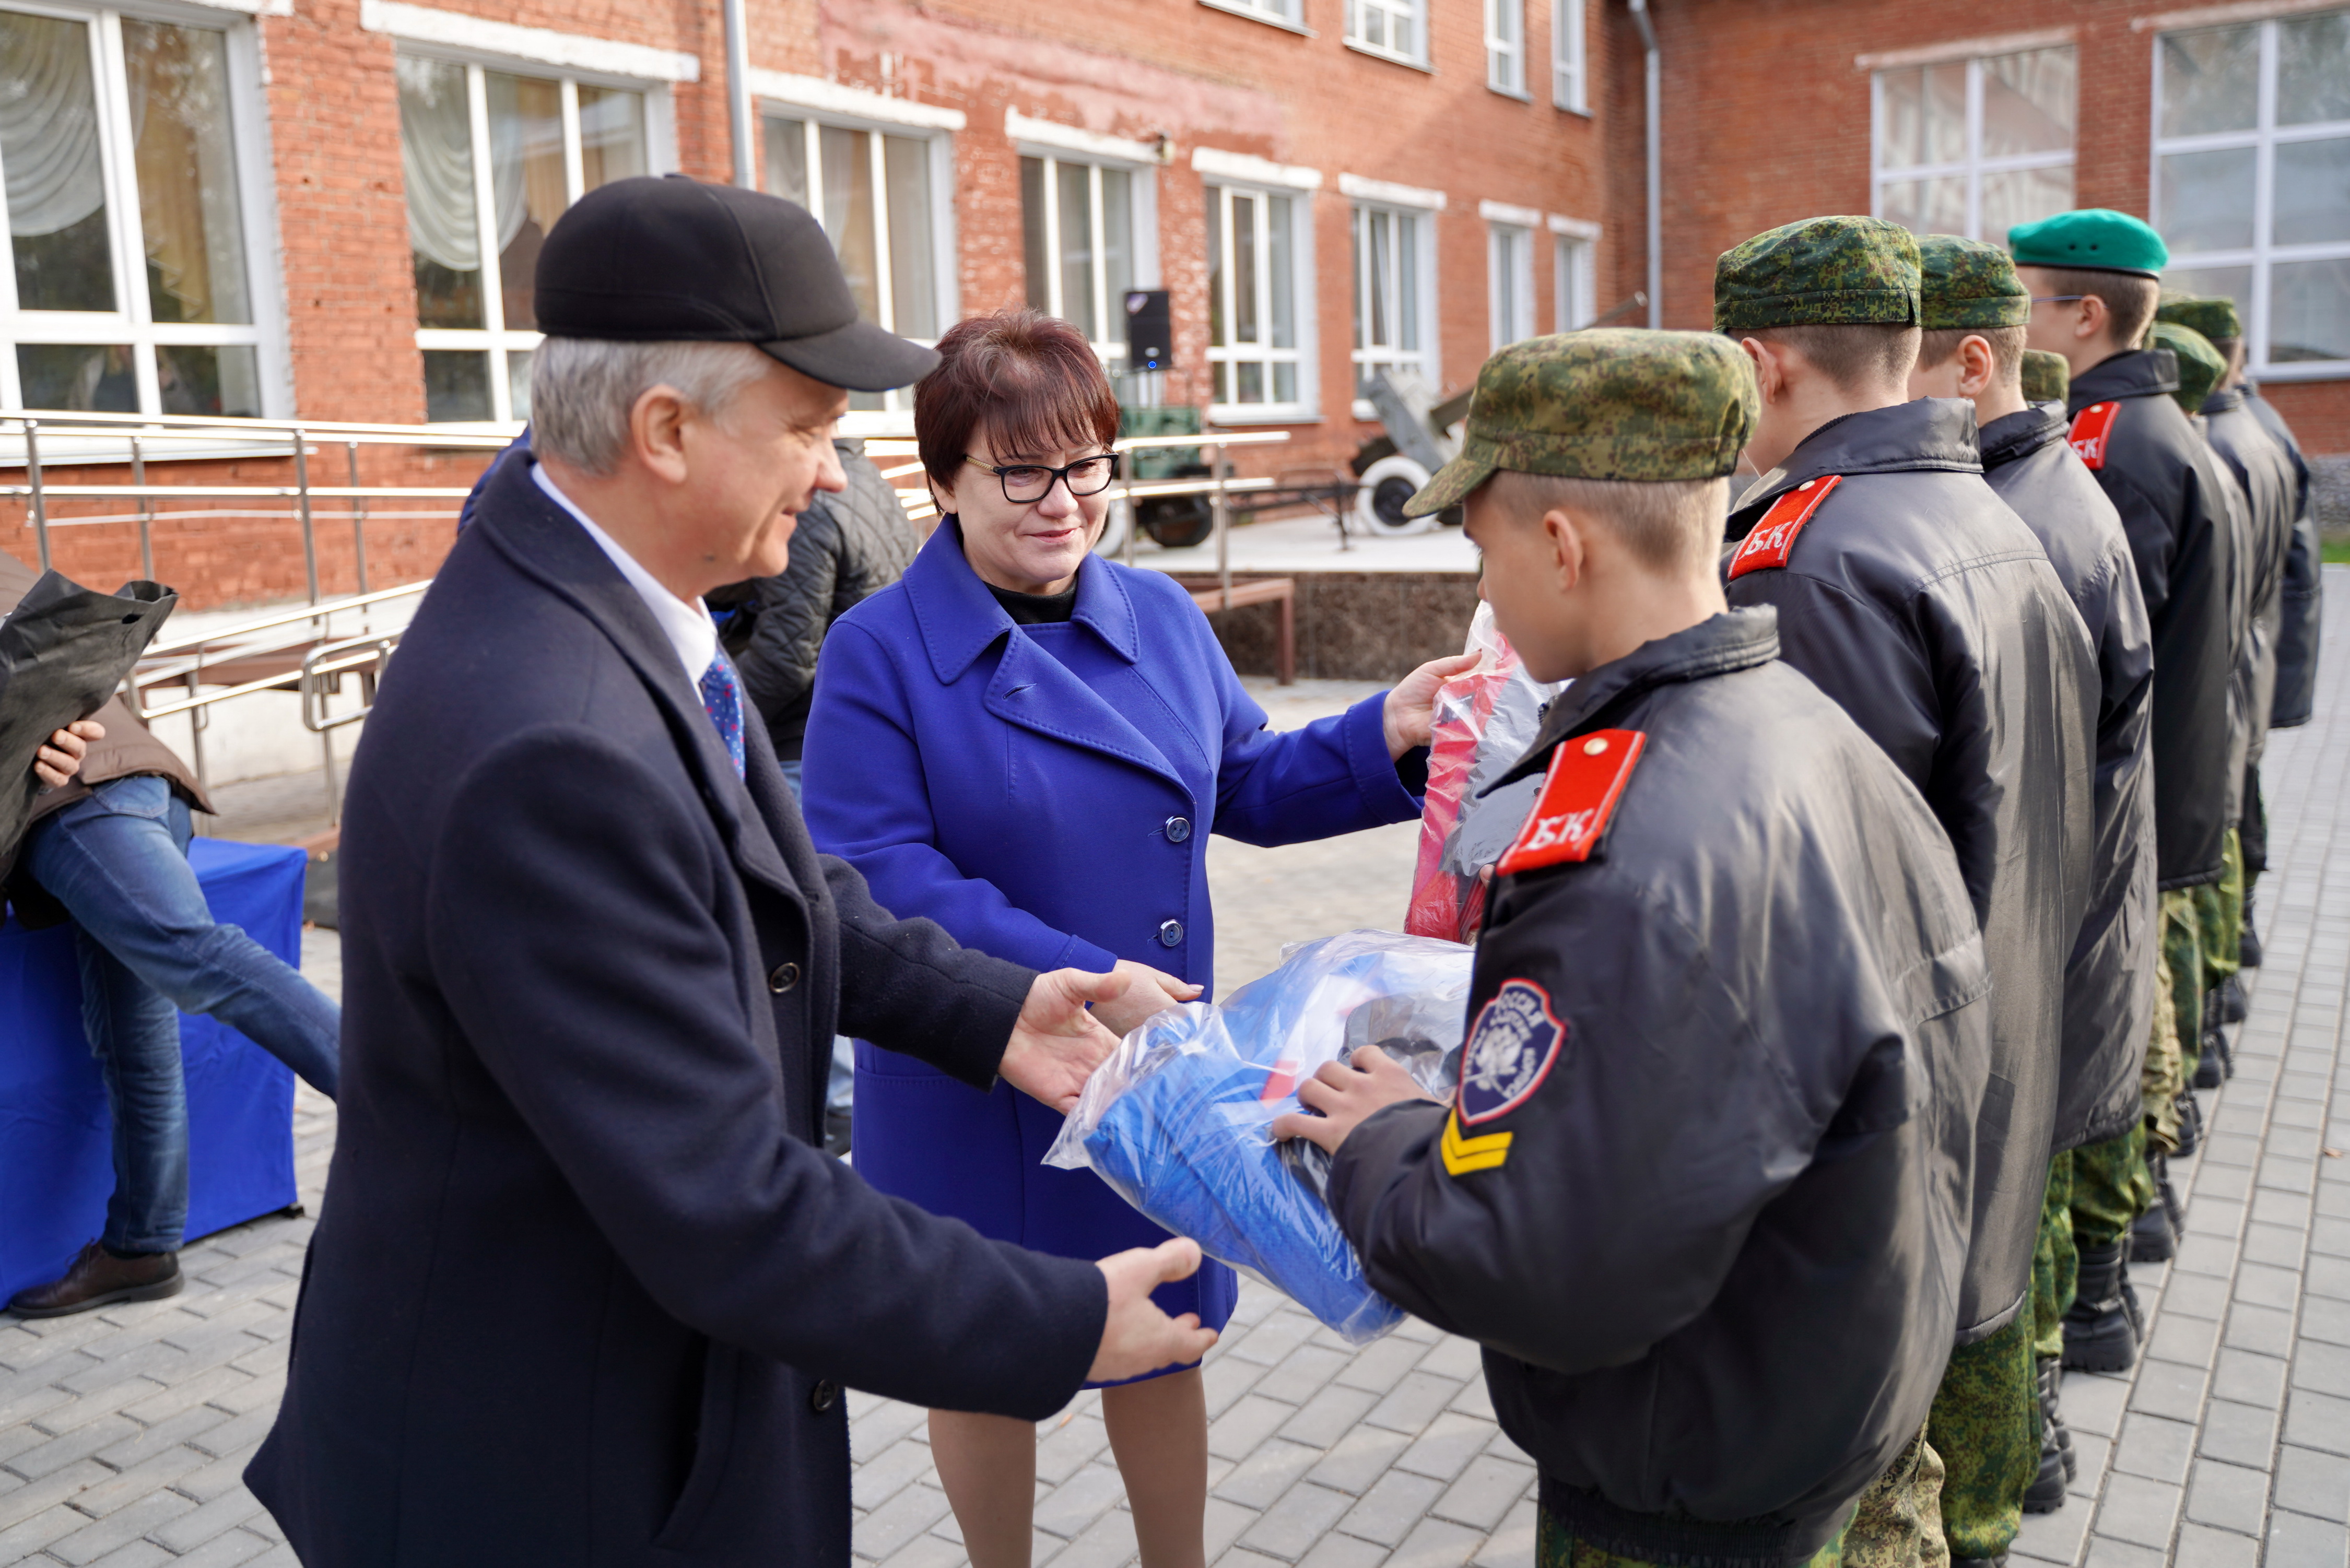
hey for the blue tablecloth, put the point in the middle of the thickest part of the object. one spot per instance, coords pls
(56, 1165)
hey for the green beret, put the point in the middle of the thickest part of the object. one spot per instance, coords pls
(1610, 402)
(2096, 239)
(1821, 272)
(1968, 283)
(2199, 365)
(2213, 315)
(2047, 377)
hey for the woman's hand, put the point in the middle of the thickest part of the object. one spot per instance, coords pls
(56, 764)
(1148, 991)
(1412, 706)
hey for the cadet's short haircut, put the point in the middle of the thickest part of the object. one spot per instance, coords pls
(1940, 344)
(1855, 357)
(2231, 350)
(1670, 527)
(2130, 300)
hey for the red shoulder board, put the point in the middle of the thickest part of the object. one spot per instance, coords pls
(2089, 428)
(1774, 536)
(1585, 780)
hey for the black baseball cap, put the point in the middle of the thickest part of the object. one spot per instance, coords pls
(673, 260)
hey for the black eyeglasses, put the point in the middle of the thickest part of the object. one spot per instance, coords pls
(2057, 299)
(1026, 481)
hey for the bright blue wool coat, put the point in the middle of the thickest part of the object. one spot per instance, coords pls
(1045, 793)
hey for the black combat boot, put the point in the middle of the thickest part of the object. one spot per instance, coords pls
(2052, 1393)
(2100, 1330)
(1998, 1562)
(2191, 1125)
(2046, 1492)
(2210, 1067)
(2248, 943)
(2229, 1003)
(2154, 1235)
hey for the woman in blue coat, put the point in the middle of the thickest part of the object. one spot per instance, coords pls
(1029, 744)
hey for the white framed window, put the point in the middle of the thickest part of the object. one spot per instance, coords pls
(1282, 12)
(2251, 181)
(1260, 303)
(1575, 279)
(1974, 146)
(880, 192)
(1510, 273)
(1397, 30)
(137, 217)
(1088, 233)
(493, 157)
(1395, 295)
(1505, 47)
(1568, 89)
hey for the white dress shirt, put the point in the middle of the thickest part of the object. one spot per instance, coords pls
(688, 626)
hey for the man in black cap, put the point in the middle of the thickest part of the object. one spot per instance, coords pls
(587, 1289)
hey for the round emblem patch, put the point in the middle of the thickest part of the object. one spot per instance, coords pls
(1511, 1048)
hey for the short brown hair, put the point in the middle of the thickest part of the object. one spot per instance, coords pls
(1939, 345)
(2130, 300)
(1030, 380)
(1853, 356)
(1670, 527)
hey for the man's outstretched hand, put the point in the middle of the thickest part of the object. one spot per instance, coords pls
(1055, 1043)
(1136, 1338)
(56, 764)
(1348, 1097)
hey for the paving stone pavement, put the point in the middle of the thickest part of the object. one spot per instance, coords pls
(122, 1433)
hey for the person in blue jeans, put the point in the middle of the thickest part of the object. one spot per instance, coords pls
(114, 858)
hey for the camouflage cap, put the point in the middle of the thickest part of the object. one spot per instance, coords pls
(2199, 365)
(2046, 378)
(2214, 316)
(1821, 272)
(1615, 402)
(1968, 284)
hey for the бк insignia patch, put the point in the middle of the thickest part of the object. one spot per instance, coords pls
(2089, 428)
(1773, 537)
(1463, 1155)
(1585, 780)
(1511, 1048)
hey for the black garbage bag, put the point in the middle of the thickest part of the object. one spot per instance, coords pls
(63, 651)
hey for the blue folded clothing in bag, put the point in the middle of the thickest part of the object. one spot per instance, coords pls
(1178, 1121)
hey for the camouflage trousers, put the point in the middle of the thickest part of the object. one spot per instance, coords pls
(1897, 1523)
(1907, 1531)
(1986, 1426)
(2056, 1264)
(2111, 1185)
(2219, 918)
(2182, 955)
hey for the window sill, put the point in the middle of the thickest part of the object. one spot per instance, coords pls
(1239, 8)
(1237, 415)
(1581, 110)
(2301, 371)
(1509, 93)
(1390, 56)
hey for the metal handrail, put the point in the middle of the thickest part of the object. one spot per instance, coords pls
(286, 617)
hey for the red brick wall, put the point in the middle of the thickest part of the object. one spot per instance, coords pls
(1766, 121)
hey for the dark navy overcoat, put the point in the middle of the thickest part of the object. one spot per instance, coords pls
(1045, 792)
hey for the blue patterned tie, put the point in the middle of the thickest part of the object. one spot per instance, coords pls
(721, 698)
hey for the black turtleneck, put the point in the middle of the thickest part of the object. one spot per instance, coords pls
(1036, 609)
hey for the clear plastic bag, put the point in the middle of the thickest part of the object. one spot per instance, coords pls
(1485, 719)
(1179, 1120)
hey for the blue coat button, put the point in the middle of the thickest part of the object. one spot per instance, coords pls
(1171, 932)
(1179, 829)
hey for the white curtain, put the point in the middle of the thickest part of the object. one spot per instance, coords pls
(48, 124)
(436, 153)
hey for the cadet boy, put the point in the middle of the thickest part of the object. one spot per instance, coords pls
(1703, 1189)
(1915, 599)
(1973, 314)
(2264, 470)
(2092, 276)
(2303, 600)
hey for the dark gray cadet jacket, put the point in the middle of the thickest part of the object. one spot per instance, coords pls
(2160, 475)
(1915, 599)
(589, 1287)
(2303, 600)
(1702, 1191)
(2264, 472)
(2109, 979)
(845, 549)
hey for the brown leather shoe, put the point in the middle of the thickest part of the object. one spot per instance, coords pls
(97, 1279)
